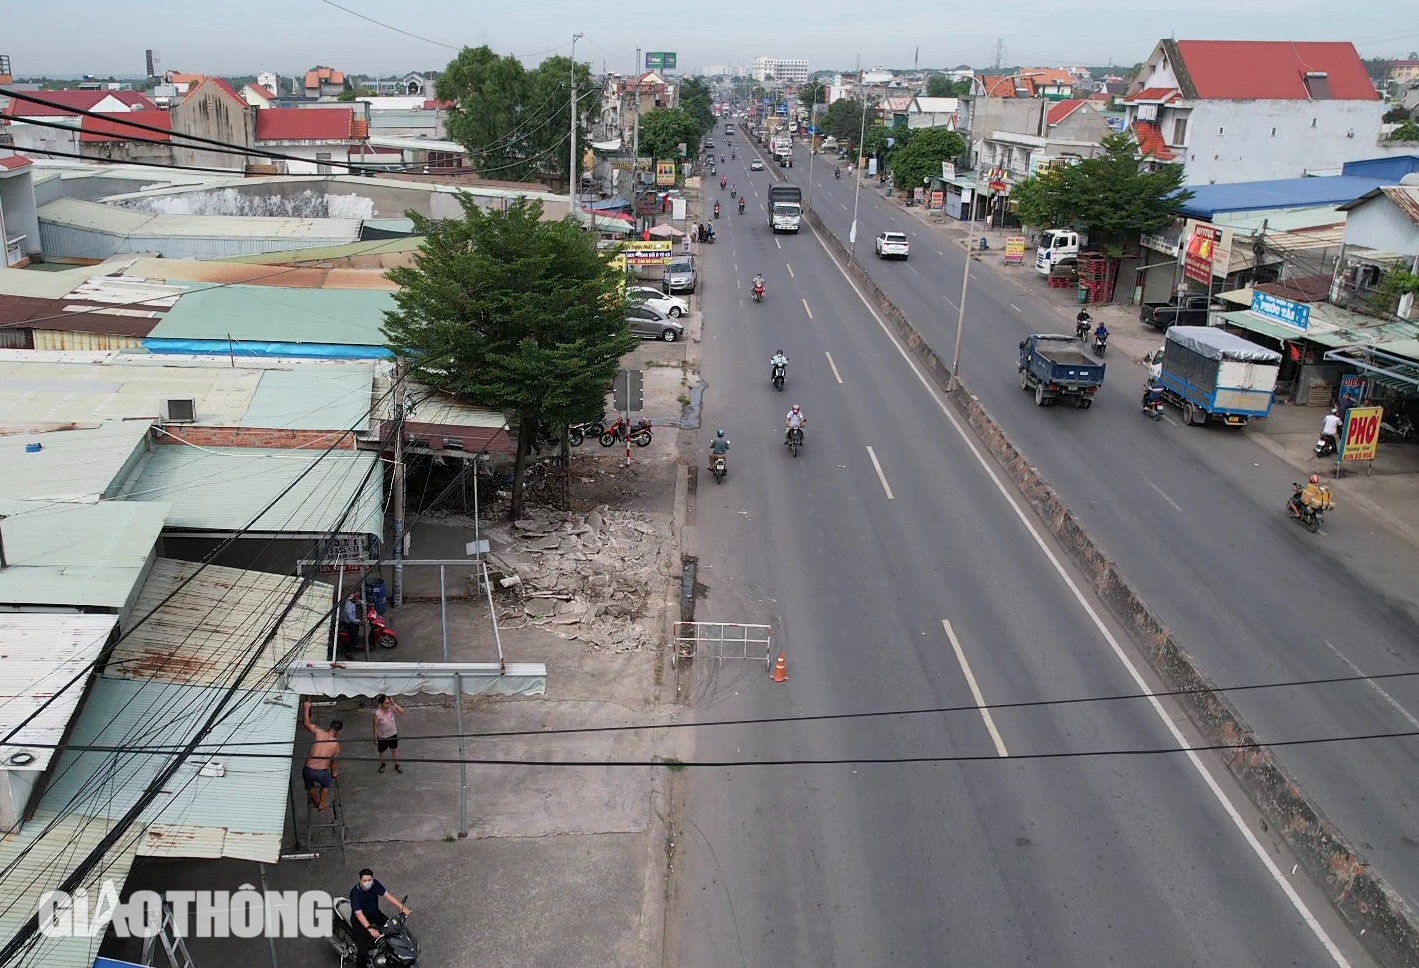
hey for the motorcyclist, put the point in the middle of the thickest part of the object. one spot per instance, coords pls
(1313, 496)
(1330, 428)
(741, 204)
(716, 209)
(721, 159)
(732, 156)
(723, 180)
(1152, 394)
(733, 190)
(837, 172)
(1081, 324)
(718, 448)
(776, 361)
(759, 281)
(1101, 334)
(795, 419)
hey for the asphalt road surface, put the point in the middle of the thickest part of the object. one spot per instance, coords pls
(895, 573)
(1195, 518)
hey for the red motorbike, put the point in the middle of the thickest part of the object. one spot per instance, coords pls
(638, 433)
(381, 635)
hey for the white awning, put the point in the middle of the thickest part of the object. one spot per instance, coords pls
(413, 678)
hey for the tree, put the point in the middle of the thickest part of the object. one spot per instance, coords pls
(665, 129)
(1378, 67)
(814, 92)
(697, 101)
(939, 85)
(921, 156)
(1114, 195)
(515, 123)
(509, 311)
(844, 119)
(1408, 131)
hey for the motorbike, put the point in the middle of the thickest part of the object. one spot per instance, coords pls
(639, 434)
(380, 632)
(758, 292)
(795, 440)
(1101, 344)
(837, 173)
(1397, 427)
(780, 372)
(577, 433)
(709, 238)
(721, 159)
(1311, 518)
(396, 946)
(1325, 446)
(719, 469)
(723, 183)
(733, 192)
(716, 209)
(741, 206)
(1153, 408)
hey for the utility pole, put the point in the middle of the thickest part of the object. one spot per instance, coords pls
(398, 483)
(636, 136)
(857, 189)
(571, 168)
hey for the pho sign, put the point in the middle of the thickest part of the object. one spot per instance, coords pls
(1362, 433)
(1280, 310)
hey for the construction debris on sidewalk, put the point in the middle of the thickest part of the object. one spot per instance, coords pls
(586, 577)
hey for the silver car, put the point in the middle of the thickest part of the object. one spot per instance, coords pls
(648, 323)
(680, 275)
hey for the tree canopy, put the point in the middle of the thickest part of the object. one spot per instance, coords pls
(509, 311)
(697, 101)
(921, 155)
(1114, 195)
(939, 85)
(1408, 131)
(663, 130)
(844, 119)
(515, 123)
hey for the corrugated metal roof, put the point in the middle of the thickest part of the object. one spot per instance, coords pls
(111, 219)
(350, 317)
(390, 252)
(1208, 200)
(248, 799)
(34, 392)
(284, 277)
(224, 488)
(213, 623)
(432, 406)
(61, 315)
(71, 465)
(38, 859)
(58, 283)
(93, 555)
(43, 676)
(305, 399)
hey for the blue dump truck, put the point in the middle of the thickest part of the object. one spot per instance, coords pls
(1211, 374)
(1057, 366)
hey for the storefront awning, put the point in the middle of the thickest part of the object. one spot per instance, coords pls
(1399, 373)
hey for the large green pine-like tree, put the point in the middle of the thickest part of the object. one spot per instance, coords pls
(508, 310)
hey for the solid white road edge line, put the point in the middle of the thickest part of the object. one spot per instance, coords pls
(975, 689)
(1192, 757)
(880, 476)
(836, 375)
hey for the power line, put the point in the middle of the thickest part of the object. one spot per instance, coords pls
(380, 23)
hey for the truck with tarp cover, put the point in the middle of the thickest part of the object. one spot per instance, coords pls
(1211, 374)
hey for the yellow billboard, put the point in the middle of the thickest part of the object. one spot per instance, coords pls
(1362, 433)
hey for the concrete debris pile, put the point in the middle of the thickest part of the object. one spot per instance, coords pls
(586, 577)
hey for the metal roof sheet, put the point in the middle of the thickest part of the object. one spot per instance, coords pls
(78, 554)
(37, 859)
(115, 220)
(1208, 200)
(45, 669)
(225, 488)
(71, 465)
(36, 391)
(350, 317)
(430, 406)
(308, 399)
(196, 633)
(283, 277)
(248, 798)
(56, 284)
(386, 252)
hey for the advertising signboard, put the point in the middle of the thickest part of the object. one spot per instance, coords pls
(665, 172)
(1197, 263)
(1281, 310)
(656, 252)
(1014, 250)
(1362, 433)
(659, 60)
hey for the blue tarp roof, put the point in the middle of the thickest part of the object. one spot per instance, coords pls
(1208, 200)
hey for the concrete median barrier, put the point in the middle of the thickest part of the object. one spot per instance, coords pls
(1381, 920)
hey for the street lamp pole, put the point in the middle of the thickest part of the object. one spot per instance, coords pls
(813, 103)
(571, 167)
(857, 190)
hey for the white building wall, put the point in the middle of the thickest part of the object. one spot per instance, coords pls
(1381, 225)
(310, 162)
(1239, 141)
(34, 138)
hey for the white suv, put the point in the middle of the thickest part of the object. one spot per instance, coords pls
(892, 245)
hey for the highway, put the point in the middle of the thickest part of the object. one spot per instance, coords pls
(897, 573)
(1194, 517)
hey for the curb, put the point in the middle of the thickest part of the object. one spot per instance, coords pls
(1377, 916)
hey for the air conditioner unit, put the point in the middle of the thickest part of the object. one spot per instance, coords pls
(179, 410)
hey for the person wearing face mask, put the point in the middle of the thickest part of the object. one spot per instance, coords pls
(364, 908)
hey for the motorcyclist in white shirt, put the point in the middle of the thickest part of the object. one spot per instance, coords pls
(796, 418)
(1331, 427)
(776, 361)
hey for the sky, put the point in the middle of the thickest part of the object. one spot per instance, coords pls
(237, 39)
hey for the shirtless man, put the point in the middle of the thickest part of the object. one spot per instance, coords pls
(322, 766)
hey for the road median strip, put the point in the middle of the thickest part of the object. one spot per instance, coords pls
(1373, 911)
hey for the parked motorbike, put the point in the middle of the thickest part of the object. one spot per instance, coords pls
(639, 434)
(780, 372)
(1101, 345)
(1397, 427)
(591, 428)
(1326, 445)
(795, 439)
(758, 292)
(1311, 517)
(380, 633)
(396, 946)
(719, 469)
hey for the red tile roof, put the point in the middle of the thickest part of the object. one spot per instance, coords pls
(1063, 109)
(113, 126)
(996, 86)
(227, 89)
(1161, 94)
(71, 101)
(1035, 77)
(324, 75)
(430, 105)
(261, 91)
(304, 124)
(1274, 70)
(12, 162)
(1150, 141)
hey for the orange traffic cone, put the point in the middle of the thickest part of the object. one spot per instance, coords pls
(780, 673)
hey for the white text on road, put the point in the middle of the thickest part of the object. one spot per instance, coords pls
(880, 476)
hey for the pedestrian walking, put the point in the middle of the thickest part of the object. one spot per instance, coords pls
(386, 729)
